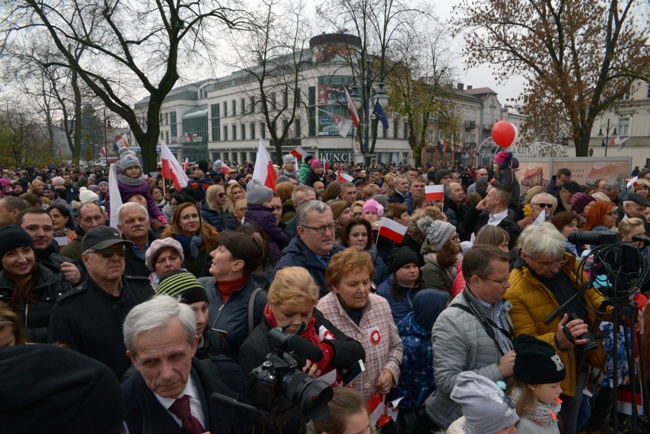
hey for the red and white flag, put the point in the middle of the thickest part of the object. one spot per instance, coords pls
(171, 168)
(434, 192)
(299, 152)
(122, 143)
(342, 124)
(225, 169)
(264, 170)
(343, 177)
(102, 151)
(188, 138)
(186, 164)
(352, 108)
(376, 406)
(392, 230)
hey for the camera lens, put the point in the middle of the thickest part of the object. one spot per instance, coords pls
(310, 395)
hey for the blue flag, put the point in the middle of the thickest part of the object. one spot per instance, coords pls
(379, 114)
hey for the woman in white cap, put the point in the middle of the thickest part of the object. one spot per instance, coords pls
(162, 257)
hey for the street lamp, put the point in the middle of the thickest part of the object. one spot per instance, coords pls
(379, 98)
(600, 135)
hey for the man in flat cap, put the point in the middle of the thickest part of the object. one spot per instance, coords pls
(89, 318)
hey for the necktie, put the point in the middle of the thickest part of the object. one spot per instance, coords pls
(181, 409)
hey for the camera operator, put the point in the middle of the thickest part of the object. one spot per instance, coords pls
(544, 278)
(292, 300)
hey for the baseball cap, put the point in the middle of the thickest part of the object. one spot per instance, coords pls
(101, 237)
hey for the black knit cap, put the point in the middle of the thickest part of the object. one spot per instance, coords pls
(184, 284)
(400, 257)
(537, 362)
(13, 237)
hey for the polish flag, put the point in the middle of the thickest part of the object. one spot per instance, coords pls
(299, 152)
(171, 168)
(225, 169)
(122, 143)
(102, 151)
(186, 164)
(376, 406)
(352, 108)
(343, 177)
(326, 165)
(392, 230)
(434, 192)
(264, 170)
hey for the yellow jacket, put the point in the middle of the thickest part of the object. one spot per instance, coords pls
(532, 302)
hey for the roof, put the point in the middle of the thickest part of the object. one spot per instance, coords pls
(196, 113)
(479, 91)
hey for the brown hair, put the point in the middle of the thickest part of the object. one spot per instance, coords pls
(332, 191)
(346, 262)
(207, 231)
(345, 403)
(563, 218)
(527, 402)
(9, 318)
(356, 221)
(284, 190)
(478, 260)
(370, 190)
(492, 235)
(395, 210)
(448, 255)
(293, 287)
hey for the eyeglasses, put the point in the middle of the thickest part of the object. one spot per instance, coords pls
(221, 194)
(500, 282)
(611, 214)
(543, 205)
(108, 253)
(550, 265)
(321, 230)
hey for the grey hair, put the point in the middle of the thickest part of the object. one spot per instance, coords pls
(155, 314)
(301, 189)
(129, 205)
(548, 197)
(309, 206)
(542, 241)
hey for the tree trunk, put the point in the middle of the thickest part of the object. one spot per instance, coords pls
(76, 149)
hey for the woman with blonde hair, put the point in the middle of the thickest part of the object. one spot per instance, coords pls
(234, 192)
(197, 238)
(291, 305)
(214, 209)
(241, 206)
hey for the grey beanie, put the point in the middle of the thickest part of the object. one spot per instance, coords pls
(257, 193)
(486, 408)
(438, 232)
(128, 158)
(288, 159)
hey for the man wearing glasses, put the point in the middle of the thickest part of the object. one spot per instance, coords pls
(474, 333)
(89, 318)
(314, 245)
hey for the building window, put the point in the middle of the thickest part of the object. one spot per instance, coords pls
(623, 127)
(395, 132)
(166, 136)
(225, 110)
(285, 98)
(225, 132)
(648, 94)
(174, 127)
(234, 107)
(242, 102)
(297, 98)
(296, 124)
(252, 131)
(311, 121)
(263, 130)
(242, 128)
(252, 104)
(273, 101)
(216, 122)
(234, 132)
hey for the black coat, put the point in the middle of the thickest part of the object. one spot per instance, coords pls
(144, 414)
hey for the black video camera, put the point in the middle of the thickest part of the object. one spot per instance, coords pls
(591, 343)
(278, 376)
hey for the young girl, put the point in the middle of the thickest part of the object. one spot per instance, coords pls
(130, 181)
(536, 390)
(347, 415)
(372, 212)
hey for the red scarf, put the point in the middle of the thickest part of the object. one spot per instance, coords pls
(309, 333)
(227, 287)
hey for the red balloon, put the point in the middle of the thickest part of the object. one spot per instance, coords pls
(504, 134)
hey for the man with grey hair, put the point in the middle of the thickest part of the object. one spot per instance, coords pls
(401, 190)
(170, 392)
(299, 196)
(89, 318)
(133, 223)
(314, 245)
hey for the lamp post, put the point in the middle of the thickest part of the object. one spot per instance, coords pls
(600, 135)
(379, 98)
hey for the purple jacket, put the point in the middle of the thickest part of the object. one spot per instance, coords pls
(261, 216)
(127, 191)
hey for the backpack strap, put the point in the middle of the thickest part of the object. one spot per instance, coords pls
(251, 310)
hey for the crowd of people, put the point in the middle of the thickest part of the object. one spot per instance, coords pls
(177, 301)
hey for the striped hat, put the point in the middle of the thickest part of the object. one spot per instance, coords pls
(184, 284)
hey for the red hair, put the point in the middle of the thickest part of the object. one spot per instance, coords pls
(596, 214)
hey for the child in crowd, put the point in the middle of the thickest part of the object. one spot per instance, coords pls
(130, 181)
(486, 408)
(372, 212)
(539, 373)
(347, 414)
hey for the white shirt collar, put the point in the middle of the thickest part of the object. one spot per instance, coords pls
(495, 219)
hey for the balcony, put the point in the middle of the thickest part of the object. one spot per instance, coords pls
(487, 125)
(470, 125)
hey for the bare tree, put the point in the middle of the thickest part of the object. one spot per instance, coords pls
(579, 56)
(128, 47)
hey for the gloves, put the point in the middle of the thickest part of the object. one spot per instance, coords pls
(328, 355)
(162, 219)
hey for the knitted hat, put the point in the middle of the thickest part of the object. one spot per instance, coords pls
(13, 237)
(151, 255)
(288, 159)
(427, 305)
(128, 158)
(536, 361)
(102, 182)
(201, 164)
(383, 200)
(441, 174)
(373, 206)
(93, 188)
(308, 158)
(580, 200)
(486, 408)
(86, 196)
(315, 163)
(438, 232)
(572, 187)
(58, 181)
(502, 157)
(184, 284)
(257, 193)
(218, 163)
(338, 206)
(400, 257)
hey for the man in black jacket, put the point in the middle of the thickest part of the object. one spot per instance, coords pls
(493, 211)
(171, 391)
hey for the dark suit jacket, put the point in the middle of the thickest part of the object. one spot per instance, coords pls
(396, 198)
(144, 414)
